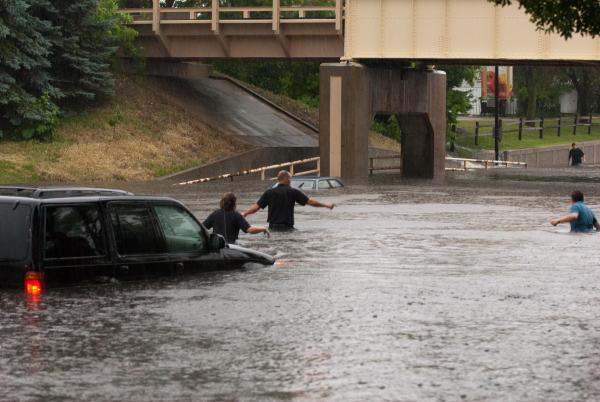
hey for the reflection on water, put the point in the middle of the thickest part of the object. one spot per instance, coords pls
(458, 290)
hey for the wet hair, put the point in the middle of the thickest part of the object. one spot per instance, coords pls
(228, 202)
(577, 196)
(283, 174)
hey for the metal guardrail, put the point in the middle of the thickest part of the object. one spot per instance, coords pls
(293, 171)
(486, 163)
(263, 171)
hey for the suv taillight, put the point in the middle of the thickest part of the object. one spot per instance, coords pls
(34, 282)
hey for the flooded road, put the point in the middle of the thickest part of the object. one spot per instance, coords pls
(458, 290)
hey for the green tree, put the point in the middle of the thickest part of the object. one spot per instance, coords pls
(82, 52)
(457, 101)
(26, 90)
(586, 81)
(564, 17)
(538, 88)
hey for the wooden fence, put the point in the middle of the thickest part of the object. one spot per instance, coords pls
(540, 127)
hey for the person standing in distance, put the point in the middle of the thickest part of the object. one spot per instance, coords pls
(576, 156)
(281, 201)
(580, 216)
(228, 222)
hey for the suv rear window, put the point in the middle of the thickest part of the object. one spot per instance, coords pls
(74, 231)
(14, 231)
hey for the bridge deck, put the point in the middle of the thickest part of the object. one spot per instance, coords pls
(438, 30)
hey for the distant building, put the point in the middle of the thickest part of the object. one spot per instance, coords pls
(568, 102)
(483, 89)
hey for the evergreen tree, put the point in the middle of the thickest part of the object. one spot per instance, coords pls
(81, 52)
(26, 92)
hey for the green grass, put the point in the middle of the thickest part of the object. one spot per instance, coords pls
(13, 173)
(530, 138)
(159, 170)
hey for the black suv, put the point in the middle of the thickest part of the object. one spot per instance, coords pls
(72, 239)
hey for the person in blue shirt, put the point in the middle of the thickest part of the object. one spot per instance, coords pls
(580, 216)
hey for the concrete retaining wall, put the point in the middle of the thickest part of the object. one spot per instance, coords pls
(549, 157)
(248, 160)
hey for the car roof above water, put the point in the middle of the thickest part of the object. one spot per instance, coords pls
(83, 200)
(59, 192)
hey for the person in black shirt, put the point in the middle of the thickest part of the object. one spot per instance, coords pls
(281, 201)
(228, 222)
(575, 155)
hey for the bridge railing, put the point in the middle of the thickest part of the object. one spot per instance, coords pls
(217, 14)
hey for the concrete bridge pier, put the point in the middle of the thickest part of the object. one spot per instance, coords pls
(352, 94)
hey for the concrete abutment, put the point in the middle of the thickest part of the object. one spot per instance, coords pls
(352, 94)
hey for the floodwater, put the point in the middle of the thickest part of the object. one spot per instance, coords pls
(456, 290)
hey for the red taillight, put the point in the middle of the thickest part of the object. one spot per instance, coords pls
(34, 282)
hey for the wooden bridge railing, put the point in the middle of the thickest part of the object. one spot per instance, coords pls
(217, 14)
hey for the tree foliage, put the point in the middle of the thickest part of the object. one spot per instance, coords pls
(25, 81)
(564, 17)
(55, 54)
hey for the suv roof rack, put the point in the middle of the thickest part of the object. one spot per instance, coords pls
(59, 192)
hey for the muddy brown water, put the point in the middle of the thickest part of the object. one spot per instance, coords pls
(409, 290)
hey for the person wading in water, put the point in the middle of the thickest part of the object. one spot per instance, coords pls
(576, 156)
(281, 201)
(227, 222)
(580, 216)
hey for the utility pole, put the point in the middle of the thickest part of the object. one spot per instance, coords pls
(496, 112)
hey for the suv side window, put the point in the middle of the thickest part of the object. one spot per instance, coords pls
(182, 233)
(74, 231)
(134, 230)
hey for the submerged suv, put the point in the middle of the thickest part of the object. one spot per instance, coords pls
(51, 241)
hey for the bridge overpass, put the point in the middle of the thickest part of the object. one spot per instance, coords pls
(369, 37)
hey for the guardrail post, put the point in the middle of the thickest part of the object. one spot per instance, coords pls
(477, 133)
(292, 169)
(558, 126)
(262, 174)
(215, 16)
(156, 16)
(319, 166)
(520, 128)
(370, 166)
(541, 128)
(575, 125)
(590, 125)
(276, 7)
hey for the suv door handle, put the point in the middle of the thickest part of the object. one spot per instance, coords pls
(124, 269)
